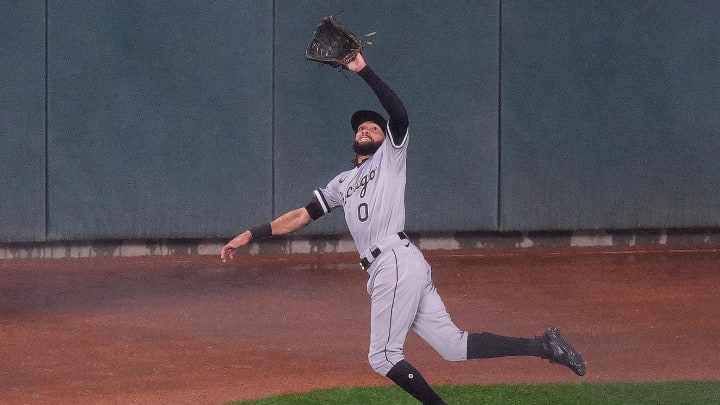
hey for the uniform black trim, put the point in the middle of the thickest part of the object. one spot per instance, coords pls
(315, 209)
(392, 307)
(320, 197)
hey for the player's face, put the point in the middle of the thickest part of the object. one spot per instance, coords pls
(369, 133)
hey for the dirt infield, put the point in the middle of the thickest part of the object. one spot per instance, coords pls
(190, 330)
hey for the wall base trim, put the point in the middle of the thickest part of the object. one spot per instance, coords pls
(344, 244)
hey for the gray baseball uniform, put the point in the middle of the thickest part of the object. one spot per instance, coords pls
(403, 295)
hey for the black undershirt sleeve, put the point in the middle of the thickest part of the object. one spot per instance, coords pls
(398, 121)
(315, 209)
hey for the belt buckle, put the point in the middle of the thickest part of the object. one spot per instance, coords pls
(365, 263)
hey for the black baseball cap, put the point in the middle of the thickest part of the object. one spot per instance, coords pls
(366, 115)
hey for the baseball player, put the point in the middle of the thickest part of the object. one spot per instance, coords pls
(402, 294)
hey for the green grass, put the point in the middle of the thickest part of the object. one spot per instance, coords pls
(669, 393)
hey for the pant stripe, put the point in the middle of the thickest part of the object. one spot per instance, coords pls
(392, 306)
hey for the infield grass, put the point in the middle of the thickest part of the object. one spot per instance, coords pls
(666, 393)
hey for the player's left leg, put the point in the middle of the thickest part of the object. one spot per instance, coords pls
(487, 345)
(434, 325)
(552, 346)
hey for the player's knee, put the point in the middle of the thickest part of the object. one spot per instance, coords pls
(454, 356)
(382, 362)
(451, 348)
(453, 352)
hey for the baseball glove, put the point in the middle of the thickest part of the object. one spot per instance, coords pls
(333, 44)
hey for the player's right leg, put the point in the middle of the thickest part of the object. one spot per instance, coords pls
(409, 379)
(395, 290)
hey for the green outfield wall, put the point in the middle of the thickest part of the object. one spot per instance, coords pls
(194, 119)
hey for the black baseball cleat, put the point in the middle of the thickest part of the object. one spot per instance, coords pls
(559, 351)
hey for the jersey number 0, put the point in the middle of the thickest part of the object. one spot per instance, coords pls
(363, 212)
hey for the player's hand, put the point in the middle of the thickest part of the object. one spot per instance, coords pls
(228, 251)
(356, 64)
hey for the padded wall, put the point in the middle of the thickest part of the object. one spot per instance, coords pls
(442, 62)
(609, 115)
(160, 116)
(194, 119)
(22, 120)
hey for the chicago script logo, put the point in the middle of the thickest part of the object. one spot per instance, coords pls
(361, 184)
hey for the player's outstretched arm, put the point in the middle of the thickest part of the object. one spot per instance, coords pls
(289, 222)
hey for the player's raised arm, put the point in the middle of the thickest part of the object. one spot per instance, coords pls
(398, 116)
(287, 223)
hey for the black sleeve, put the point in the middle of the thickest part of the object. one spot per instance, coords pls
(315, 209)
(398, 121)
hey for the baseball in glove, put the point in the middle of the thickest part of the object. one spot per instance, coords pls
(333, 44)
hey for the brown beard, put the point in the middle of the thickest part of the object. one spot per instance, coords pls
(366, 149)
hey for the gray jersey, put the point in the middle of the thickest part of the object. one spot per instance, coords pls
(372, 194)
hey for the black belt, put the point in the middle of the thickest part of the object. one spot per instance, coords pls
(375, 251)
